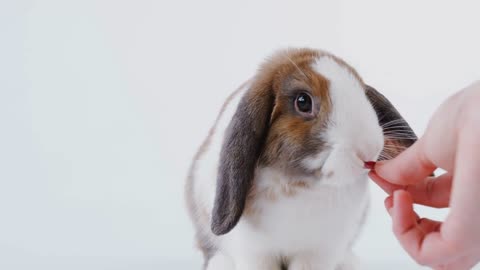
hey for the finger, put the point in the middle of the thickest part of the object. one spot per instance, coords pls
(432, 191)
(409, 167)
(424, 243)
(389, 204)
(388, 187)
(404, 220)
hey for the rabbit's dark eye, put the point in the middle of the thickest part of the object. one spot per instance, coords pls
(304, 104)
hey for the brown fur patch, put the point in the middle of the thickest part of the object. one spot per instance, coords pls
(290, 189)
(291, 137)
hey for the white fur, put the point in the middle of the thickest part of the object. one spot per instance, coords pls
(220, 261)
(353, 132)
(313, 229)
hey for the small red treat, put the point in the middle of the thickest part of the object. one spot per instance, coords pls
(369, 165)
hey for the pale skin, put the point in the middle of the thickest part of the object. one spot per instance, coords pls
(451, 142)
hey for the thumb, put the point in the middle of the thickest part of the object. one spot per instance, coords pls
(409, 167)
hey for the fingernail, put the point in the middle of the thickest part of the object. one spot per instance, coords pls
(369, 165)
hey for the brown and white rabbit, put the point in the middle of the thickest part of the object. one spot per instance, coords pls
(280, 182)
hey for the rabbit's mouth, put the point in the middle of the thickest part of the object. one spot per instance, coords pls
(337, 160)
(340, 166)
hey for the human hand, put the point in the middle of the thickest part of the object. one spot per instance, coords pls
(451, 142)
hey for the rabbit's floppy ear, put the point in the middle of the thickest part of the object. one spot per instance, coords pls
(242, 146)
(397, 132)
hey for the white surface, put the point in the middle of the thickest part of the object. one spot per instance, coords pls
(102, 104)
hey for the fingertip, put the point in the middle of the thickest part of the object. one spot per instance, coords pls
(373, 174)
(386, 169)
(380, 164)
(375, 178)
(382, 168)
(402, 212)
(384, 184)
(388, 202)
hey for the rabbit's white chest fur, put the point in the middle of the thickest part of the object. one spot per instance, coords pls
(321, 220)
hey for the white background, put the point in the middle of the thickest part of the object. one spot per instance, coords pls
(103, 103)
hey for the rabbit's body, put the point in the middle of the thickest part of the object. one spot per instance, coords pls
(302, 228)
(303, 208)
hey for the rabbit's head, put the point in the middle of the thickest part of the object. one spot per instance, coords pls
(307, 114)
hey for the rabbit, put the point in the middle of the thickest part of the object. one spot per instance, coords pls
(279, 183)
